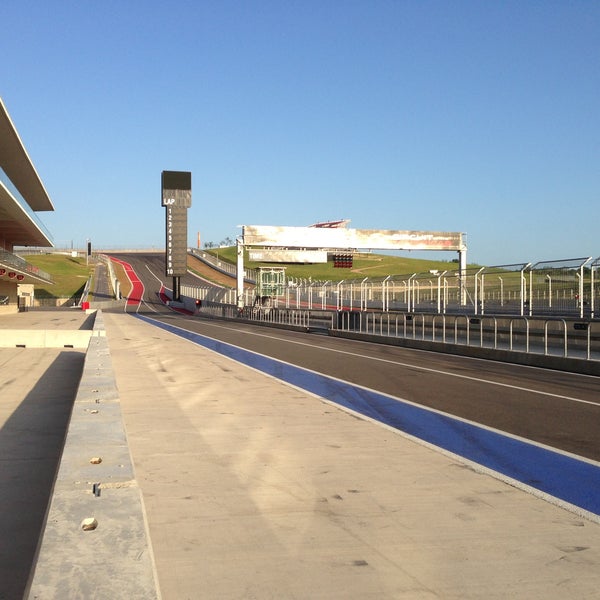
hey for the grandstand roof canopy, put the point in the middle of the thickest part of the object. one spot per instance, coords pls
(18, 166)
(18, 227)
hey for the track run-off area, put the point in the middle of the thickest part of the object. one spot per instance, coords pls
(535, 428)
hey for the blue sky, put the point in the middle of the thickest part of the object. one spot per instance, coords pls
(474, 116)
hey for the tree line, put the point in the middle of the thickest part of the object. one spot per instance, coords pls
(226, 242)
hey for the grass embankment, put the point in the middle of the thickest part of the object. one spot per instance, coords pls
(364, 265)
(69, 274)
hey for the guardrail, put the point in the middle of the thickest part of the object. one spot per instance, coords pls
(20, 264)
(303, 319)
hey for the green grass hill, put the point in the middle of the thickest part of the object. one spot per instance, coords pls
(69, 274)
(365, 264)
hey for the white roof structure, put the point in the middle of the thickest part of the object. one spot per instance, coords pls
(22, 193)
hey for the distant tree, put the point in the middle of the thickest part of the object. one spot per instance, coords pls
(209, 244)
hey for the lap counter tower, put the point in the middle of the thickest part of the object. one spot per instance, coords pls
(176, 198)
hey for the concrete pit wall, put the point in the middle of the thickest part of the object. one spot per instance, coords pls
(112, 558)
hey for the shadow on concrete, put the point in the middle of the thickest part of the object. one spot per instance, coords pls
(88, 324)
(31, 443)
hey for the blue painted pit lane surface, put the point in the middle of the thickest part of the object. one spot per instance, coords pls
(562, 476)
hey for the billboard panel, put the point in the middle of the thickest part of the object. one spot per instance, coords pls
(176, 188)
(380, 239)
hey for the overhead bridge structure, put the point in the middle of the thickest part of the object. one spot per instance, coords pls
(284, 244)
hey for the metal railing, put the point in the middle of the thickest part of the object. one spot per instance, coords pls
(221, 295)
(10, 260)
(268, 314)
(222, 265)
(549, 336)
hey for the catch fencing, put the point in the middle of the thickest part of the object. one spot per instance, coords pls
(565, 287)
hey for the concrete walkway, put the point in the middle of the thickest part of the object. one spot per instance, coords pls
(255, 489)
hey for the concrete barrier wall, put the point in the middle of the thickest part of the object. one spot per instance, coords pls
(51, 338)
(95, 483)
(38, 338)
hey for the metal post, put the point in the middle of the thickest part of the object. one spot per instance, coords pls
(340, 302)
(384, 296)
(439, 294)
(581, 286)
(592, 293)
(462, 269)
(176, 289)
(523, 288)
(363, 301)
(410, 301)
(240, 272)
(479, 300)
(531, 292)
(445, 295)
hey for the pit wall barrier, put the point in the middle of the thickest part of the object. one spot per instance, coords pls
(95, 541)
